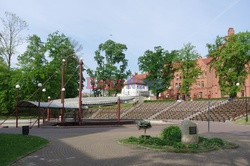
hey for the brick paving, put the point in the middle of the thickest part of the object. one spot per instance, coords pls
(98, 146)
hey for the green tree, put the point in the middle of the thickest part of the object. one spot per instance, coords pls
(189, 68)
(159, 65)
(59, 47)
(230, 59)
(33, 66)
(11, 27)
(111, 64)
(42, 60)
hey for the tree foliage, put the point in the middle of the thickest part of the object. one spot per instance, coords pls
(111, 65)
(189, 68)
(42, 60)
(230, 58)
(159, 65)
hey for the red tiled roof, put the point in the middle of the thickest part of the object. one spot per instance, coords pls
(136, 79)
(206, 60)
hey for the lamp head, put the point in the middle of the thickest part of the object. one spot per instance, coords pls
(39, 85)
(17, 86)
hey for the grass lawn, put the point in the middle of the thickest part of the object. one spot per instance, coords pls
(14, 146)
(242, 121)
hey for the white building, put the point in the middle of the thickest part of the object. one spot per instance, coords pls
(135, 86)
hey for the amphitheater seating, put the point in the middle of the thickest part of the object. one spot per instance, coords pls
(197, 110)
(146, 110)
(185, 109)
(109, 113)
(227, 111)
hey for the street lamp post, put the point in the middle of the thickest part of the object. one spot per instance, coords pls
(246, 99)
(17, 89)
(62, 89)
(48, 110)
(38, 119)
(62, 115)
(43, 90)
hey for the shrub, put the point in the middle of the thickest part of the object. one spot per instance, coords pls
(193, 146)
(132, 139)
(171, 134)
(213, 143)
(202, 139)
(179, 145)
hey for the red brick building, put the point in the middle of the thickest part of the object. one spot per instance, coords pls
(206, 84)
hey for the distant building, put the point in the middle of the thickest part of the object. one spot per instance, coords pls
(206, 85)
(136, 86)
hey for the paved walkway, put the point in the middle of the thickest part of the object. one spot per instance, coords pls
(98, 146)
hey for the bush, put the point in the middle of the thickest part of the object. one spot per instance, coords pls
(213, 143)
(171, 134)
(193, 146)
(132, 139)
(202, 139)
(179, 145)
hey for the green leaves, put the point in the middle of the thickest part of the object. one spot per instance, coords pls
(230, 59)
(112, 64)
(159, 65)
(189, 69)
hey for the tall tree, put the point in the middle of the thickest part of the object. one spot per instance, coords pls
(111, 66)
(10, 35)
(159, 65)
(59, 47)
(32, 64)
(189, 68)
(10, 39)
(44, 59)
(230, 59)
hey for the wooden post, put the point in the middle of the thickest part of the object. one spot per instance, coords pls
(38, 118)
(80, 93)
(62, 90)
(118, 109)
(48, 110)
(16, 107)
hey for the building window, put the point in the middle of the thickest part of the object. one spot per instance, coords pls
(198, 84)
(202, 84)
(128, 87)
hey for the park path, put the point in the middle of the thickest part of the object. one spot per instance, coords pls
(98, 146)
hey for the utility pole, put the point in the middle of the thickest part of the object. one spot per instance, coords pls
(80, 93)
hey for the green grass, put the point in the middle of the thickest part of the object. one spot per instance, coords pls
(242, 121)
(14, 146)
(155, 143)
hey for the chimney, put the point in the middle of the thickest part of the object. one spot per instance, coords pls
(136, 73)
(230, 31)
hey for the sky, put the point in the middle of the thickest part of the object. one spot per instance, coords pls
(140, 24)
